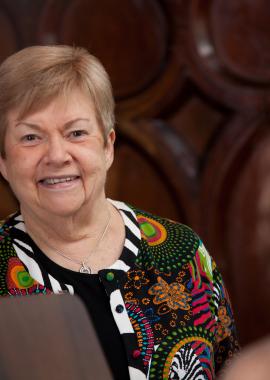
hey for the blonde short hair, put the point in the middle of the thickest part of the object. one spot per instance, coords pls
(34, 76)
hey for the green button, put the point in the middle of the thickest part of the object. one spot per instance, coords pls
(110, 276)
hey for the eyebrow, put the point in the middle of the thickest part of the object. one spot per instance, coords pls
(67, 125)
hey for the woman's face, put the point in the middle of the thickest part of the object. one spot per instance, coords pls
(56, 161)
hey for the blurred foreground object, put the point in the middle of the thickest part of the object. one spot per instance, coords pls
(252, 364)
(49, 338)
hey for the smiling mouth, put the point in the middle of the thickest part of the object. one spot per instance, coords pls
(54, 181)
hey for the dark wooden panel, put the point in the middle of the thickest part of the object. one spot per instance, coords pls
(8, 202)
(149, 161)
(8, 35)
(110, 33)
(220, 62)
(24, 16)
(241, 35)
(142, 185)
(234, 196)
(248, 229)
(197, 121)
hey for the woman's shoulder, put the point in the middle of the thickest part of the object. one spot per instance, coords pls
(155, 229)
(172, 243)
(151, 223)
(6, 224)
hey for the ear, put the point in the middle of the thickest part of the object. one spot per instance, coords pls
(3, 167)
(109, 148)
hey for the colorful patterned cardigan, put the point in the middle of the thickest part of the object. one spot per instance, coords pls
(177, 321)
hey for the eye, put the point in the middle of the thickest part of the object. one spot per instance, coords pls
(30, 138)
(78, 133)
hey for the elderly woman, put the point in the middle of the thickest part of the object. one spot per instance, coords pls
(154, 295)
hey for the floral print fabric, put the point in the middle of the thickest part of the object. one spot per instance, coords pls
(177, 321)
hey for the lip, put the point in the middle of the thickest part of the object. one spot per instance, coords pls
(59, 182)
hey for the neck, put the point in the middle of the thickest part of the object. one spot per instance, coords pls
(58, 230)
(100, 244)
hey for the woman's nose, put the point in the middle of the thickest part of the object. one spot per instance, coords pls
(57, 152)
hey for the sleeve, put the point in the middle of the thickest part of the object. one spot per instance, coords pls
(225, 335)
(224, 330)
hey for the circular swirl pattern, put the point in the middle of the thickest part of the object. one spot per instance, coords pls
(197, 344)
(172, 244)
(154, 232)
(17, 276)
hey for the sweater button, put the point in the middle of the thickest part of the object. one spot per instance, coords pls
(119, 308)
(136, 354)
(110, 276)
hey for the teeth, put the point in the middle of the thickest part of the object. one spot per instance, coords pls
(52, 181)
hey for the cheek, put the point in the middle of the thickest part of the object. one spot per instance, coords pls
(22, 165)
(19, 170)
(91, 159)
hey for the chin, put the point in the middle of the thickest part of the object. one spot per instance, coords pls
(64, 211)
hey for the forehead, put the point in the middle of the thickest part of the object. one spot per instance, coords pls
(66, 105)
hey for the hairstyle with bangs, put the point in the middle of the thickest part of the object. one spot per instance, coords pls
(31, 78)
